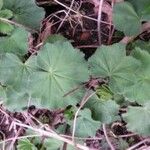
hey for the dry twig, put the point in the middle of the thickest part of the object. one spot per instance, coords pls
(43, 132)
(84, 100)
(107, 138)
(17, 24)
(99, 21)
(138, 144)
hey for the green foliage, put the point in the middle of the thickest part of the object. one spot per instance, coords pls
(1, 4)
(140, 90)
(52, 144)
(103, 111)
(16, 42)
(6, 14)
(25, 12)
(2, 93)
(142, 8)
(13, 99)
(43, 76)
(60, 68)
(143, 45)
(14, 76)
(104, 93)
(25, 144)
(5, 27)
(13, 71)
(85, 125)
(69, 113)
(56, 37)
(112, 62)
(140, 124)
(128, 17)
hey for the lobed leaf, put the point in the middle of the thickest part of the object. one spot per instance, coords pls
(14, 77)
(16, 42)
(142, 45)
(142, 8)
(140, 124)
(112, 62)
(14, 72)
(140, 90)
(103, 111)
(126, 19)
(25, 12)
(57, 69)
(128, 16)
(85, 125)
(1, 4)
(60, 68)
(25, 144)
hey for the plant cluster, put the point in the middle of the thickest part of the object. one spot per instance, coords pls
(91, 93)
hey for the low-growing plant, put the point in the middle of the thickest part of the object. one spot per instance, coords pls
(58, 76)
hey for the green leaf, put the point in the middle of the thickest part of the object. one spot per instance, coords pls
(25, 144)
(143, 57)
(16, 42)
(128, 16)
(140, 90)
(2, 94)
(1, 4)
(104, 93)
(25, 12)
(14, 76)
(7, 14)
(70, 147)
(142, 8)
(55, 38)
(43, 76)
(69, 113)
(85, 125)
(53, 144)
(14, 72)
(12, 99)
(143, 45)
(60, 68)
(112, 62)
(5, 28)
(103, 111)
(137, 119)
(126, 19)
